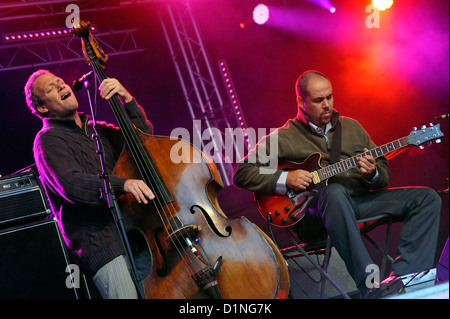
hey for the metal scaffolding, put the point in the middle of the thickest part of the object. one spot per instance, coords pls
(43, 51)
(39, 53)
(210, 114)
(33, 9)
(198, 84)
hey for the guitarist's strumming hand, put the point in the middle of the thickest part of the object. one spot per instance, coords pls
(299, 179)
(367, 165)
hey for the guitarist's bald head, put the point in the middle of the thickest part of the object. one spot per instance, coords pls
(301, 85)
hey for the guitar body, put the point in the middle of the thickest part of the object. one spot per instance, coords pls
(287, 210)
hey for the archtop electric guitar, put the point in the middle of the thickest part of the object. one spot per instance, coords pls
(287, 210)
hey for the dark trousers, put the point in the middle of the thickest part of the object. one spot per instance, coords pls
(333, 210)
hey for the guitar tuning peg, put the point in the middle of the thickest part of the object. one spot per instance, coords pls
(431, 124)
(415, 128)
(424, 127)
(421, 147)
(430, 143)
(438, 141)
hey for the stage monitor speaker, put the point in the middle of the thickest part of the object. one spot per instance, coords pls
(22, 199)
(442, 266)
(33, 263)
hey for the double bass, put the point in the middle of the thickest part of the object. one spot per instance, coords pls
(188, 246)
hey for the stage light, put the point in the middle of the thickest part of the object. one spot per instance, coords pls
(234, 99)
(37, 34)
(326, 4)
(382, 4)
(261, 14)
(34, 35)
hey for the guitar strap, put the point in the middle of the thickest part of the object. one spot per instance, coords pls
(336, 144)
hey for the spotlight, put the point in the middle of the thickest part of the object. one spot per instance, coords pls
(382, 4)
(261, 14)
(332, 9)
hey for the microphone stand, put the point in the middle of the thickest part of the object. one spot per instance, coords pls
(111, 198)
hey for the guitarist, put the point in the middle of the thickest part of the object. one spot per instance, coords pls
(356, 194)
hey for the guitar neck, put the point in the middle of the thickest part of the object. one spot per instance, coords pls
(344, 165)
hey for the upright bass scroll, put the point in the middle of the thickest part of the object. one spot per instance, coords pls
(195, 251)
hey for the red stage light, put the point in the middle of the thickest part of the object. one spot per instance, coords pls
(261, 14)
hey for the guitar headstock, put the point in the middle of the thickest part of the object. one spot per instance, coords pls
(425, 134)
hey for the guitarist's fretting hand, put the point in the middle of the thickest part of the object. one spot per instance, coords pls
(367, 165)
(299, 179)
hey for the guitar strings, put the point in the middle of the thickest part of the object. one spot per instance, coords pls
(327, 172)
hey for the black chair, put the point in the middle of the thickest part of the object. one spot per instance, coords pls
(324, 247)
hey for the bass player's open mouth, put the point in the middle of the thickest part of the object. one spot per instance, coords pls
(65, 96)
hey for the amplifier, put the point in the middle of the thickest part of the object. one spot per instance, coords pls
(22, 198)
(34, 263)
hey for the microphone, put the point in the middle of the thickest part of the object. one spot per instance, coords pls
(441, 117)
(78, 84)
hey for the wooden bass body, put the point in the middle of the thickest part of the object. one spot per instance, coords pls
(250, 266)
